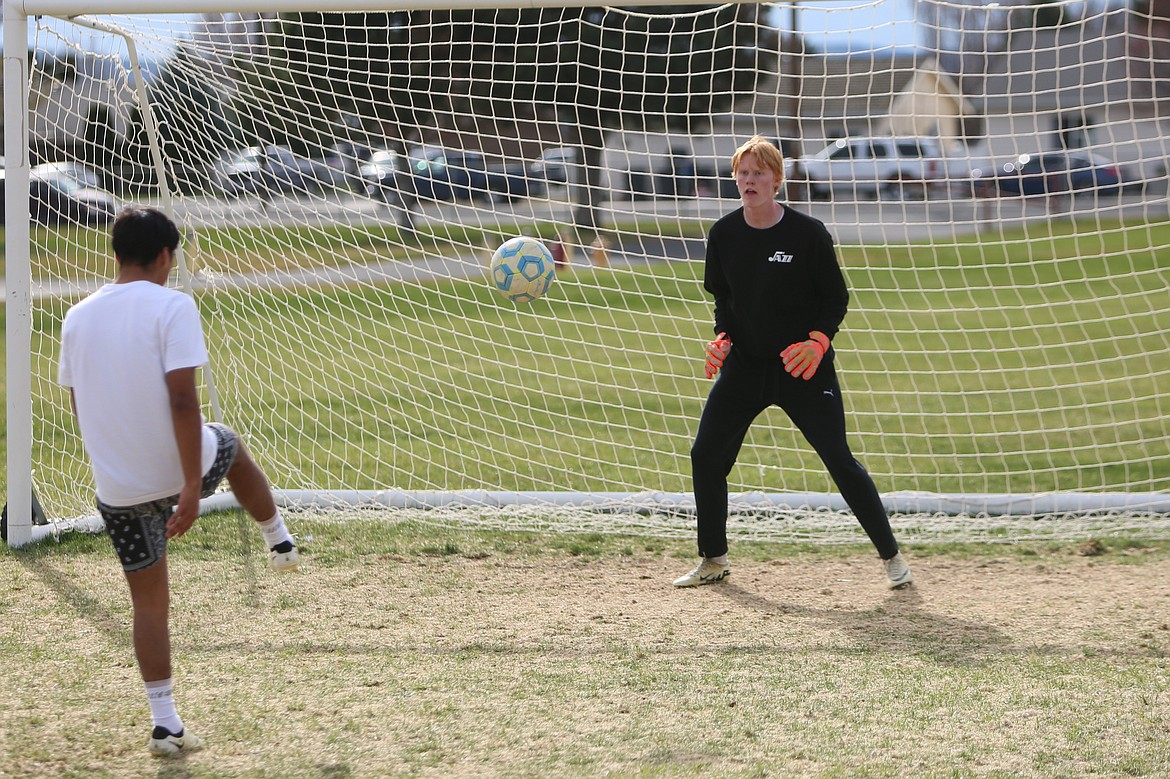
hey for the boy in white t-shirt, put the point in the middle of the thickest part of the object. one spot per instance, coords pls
(129, 353)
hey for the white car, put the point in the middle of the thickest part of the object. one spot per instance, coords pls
(891, 167)
(83, 175)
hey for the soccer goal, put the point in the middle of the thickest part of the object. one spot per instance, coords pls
(343, 177)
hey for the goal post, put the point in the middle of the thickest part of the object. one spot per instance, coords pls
(342, 178)
(18, 317)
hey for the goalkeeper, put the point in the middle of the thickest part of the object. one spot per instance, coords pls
(780, 297)
(129, 353)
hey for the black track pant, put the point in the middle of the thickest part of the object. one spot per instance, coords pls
(743, 390)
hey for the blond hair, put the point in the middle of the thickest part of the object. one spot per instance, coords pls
(766, 154)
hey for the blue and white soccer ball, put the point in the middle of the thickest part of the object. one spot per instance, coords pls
(522, 269)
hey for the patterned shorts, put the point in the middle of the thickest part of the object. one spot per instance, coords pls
(139, 532)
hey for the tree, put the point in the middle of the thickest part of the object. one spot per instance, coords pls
(1049, 13)
(1149, 44)
(966, 35)
(633, 71)
(596, 69)
(100, 134)
(322, 52)
(188, 104)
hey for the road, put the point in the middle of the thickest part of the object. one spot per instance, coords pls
(851, 222)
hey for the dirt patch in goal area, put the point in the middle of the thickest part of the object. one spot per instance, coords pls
(985, 605)
(380, 665)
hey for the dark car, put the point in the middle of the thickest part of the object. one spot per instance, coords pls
(274, 169)
(427, 173)
(387, 177)
(439, 174)
(709, 179)
(1058, 172)
(59, 199)
(715, 179)
(679, 174)
(672, 175)
(556, 165)
(453, 174)
(347, 159)
(511, 181)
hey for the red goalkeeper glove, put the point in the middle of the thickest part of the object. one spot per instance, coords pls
(716, 353)
(802, 359)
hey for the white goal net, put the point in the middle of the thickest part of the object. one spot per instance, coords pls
(994, 176)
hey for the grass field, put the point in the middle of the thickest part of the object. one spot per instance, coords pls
(411, 650)
(1002, 364)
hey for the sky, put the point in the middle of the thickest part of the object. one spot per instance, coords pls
(830, 25)
(835, 25)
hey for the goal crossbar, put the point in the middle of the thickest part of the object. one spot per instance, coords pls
(66, 9)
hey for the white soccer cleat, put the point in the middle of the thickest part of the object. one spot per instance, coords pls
(163, 743)
(706, 572)
(898, 572)
(284, 557)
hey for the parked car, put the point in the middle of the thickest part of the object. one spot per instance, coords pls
(670, 175)
(893, 167)
(680, 175)
(59, 199)
(441, 174)
(274, 169)
(85, 176)
(453, 174)
(387, 177)
(715, 179)
(556, 165)
(347, 158)
(1057, 172)
(509, 181)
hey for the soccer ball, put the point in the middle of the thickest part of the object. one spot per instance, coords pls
(522, 269)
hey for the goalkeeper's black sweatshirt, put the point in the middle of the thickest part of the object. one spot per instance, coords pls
(773, 286)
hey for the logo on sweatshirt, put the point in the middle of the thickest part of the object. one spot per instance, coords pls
(780, 257)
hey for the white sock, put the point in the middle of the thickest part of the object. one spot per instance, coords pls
(720, 560)
(274, 531)
(161, 698)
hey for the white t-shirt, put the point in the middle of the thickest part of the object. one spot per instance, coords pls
(117, 346)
